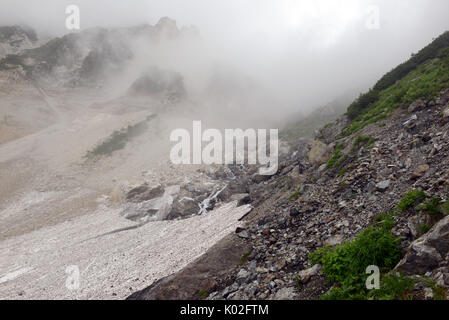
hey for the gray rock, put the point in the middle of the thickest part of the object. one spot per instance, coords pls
(319, 153)
(259, 178)
(420, 171)
(428, 251)
(183, 208)
(419, 259)
(335, 240)
(285, 294)
(305, 275)
(242, 199)
(416, 106)
(446, 112)
(154, 209)
(145, 192)
(244, 234)
(371, 186)
(410, 121)
(242, 276)
(383, 185)
(294, 212)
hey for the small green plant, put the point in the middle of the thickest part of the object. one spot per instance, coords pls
(393, 287)
(342, 172)
(203, 294)
(343, 184)
(445, 207)
(439, 293)
(295, 195)
(424, 228)
(411, 199)
(385, 220)
(337, 157)
(298, 282)
(244, 258)
(361, 141)
(432, 207)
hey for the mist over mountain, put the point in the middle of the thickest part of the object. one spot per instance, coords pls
(133, 163)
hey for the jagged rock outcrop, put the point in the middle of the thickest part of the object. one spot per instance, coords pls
(426, 253)
(14, 39)
(319, 153)
(88, 57)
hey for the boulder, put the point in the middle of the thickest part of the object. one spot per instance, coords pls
(183, 208)
(294, 212)
(305, 275)
(285, 294)
(420, 171)
(428, 251)
(446, 112)
(237, 187)
(383, 185)
(144, 192)
(319, 153)
(242, 199)
(242, 276)
(151, 210)
(416, 106)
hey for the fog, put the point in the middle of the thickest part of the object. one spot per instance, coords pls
(296, 54)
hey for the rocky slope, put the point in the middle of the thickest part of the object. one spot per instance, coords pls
(376, 192)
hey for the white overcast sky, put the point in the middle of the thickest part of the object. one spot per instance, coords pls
(312, 41)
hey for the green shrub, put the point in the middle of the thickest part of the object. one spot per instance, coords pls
(432, 207)
(393, 287)
(445, 207)
(295, 195)
(439, 293)
(346, 264)
(244, 258)
(362, 140)
(411, 199)
(424, 228)
(337, 158)
(385, 220)
(342, 172)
